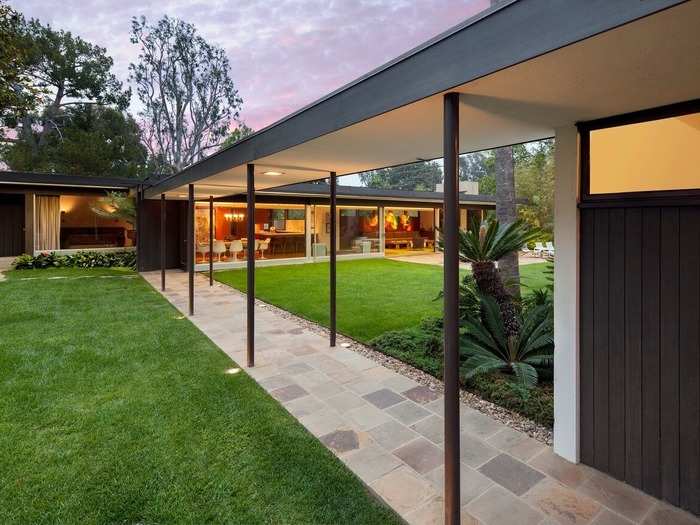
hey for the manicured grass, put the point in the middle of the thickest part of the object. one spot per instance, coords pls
(115, 409)
(374, 295)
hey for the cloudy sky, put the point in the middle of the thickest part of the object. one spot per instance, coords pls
(284, 53)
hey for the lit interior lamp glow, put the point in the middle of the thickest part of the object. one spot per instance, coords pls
(272, 173)
(232, 371)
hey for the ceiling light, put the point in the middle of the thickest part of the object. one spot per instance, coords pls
(273, 173)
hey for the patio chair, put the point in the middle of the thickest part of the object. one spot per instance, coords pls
(219, 248)
(550, 248)
(539, 249)
(235, 248)
(526, 250)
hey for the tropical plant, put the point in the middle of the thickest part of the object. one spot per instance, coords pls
(489, 348)
(469, 305)
(115, 205)
(482, 246)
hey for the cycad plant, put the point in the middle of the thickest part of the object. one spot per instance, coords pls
(483, 245)
(489, 349)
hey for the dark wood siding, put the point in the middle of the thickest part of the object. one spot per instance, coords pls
(11, 224)
(149, 236)
(640, 348)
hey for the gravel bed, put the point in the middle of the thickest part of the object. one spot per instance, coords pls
(505, 416)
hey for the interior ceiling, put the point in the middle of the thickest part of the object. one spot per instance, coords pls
(646, 63)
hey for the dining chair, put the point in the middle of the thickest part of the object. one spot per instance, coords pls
(236, 248)
(219, 248)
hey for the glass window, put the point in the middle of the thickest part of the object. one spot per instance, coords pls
(409, 229)
(657, 155)
(81, 227)
(358, 230)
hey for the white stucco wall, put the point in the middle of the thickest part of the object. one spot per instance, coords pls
(566, 295)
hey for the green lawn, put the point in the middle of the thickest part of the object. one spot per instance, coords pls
(374, 295)
(115, 409)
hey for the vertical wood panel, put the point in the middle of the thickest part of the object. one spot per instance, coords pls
(586, 346)
(689, 358)
(601, 287)
(640, 348)
(12, 224)
(633, 346)
(616, 344)
(651, 224)
(669, 354)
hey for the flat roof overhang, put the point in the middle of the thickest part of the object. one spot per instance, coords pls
(524, 69)
(28, 178)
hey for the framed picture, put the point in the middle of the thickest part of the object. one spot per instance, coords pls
(328, 227)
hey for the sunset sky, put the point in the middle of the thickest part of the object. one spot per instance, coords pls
(284, 53)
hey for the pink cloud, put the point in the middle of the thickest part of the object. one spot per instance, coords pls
(284, 54)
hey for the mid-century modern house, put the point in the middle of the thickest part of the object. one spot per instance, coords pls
(617, 84)
(54, 213)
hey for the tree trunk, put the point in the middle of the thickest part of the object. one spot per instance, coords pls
(489, 282)
(506, 213)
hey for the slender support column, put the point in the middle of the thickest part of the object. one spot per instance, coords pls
(211, 240)
(436, 225)
(566, 295)
(162, 241)
(451, 308)
(250, 251)
(190, 245)
(139, 229)
(307, 230)
(333, 256)
(381, 225)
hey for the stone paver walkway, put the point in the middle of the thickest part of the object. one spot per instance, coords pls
(389, 430)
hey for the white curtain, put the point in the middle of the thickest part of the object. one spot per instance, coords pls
(48, 223)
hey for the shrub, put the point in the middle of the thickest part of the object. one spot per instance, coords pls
(84, 259)
(537, 404)
(420, 346)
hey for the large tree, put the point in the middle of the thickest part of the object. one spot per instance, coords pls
(64, 72)
(420, 176)
(93, 140)
(534, 182)
(17, 95)
(507, 213)
(184, 84)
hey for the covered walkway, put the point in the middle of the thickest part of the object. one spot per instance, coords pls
(388, 429)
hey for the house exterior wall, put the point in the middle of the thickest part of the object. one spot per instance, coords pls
(566, 295)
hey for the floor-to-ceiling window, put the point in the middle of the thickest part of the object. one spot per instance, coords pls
(409, 230)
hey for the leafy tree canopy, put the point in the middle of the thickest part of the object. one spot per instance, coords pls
(420, 176)
(92, 140)
(16, 91)
(186, 90)
(76, 124)
(241, 132)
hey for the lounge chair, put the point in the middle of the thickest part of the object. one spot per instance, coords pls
(550, 248)
(525, 250)
(539, 249)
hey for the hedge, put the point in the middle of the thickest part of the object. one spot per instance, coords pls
(82, 259)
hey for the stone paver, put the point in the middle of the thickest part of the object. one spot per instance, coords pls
(388, 429)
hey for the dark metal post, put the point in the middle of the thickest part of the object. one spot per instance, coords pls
(250, 343)
(190, 245)
(211, 240)
(333, 257)
(139, 221)
(451, 308)
(162, 241)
